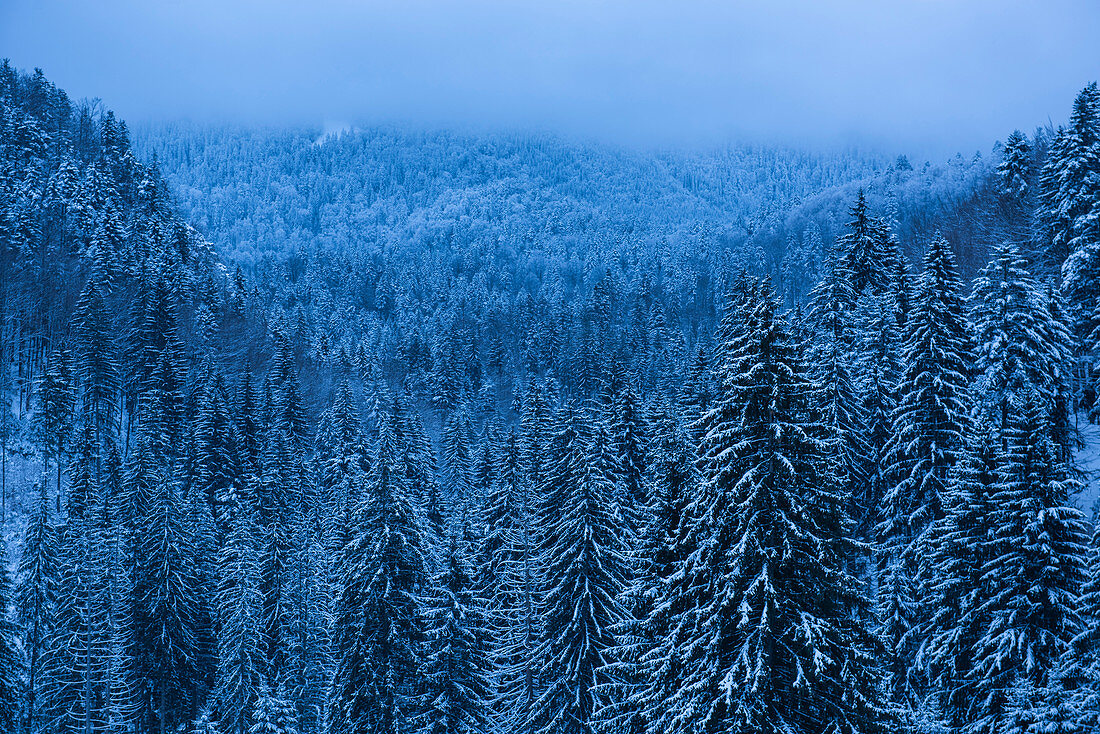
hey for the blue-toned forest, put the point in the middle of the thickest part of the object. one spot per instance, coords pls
(403, 431)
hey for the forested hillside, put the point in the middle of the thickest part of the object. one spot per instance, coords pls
(403, 431)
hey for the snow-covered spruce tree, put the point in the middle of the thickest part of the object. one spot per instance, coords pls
(897, 617)
(287, 411)
(169, 606)
(832, 307)
(311, 651)
(113, 568)
(456, 477)
(500, 517)
(867, 252)
(958, 593)
(833, 299)
(68, 669)
(930, 415)
(205, 723)
(924, 445)
(88, 662)
(1080, 668)
(237, 603)
(678, 605)
(275, 552)
(96, 356)
(421, 473)
(53, 418)
(1013, 334)
(1068, 189)
(215, 465)
(535, 430)
(200, 526)
(458, 671)
(154, 357)
(1060, 350)
(507, 580)
(698, 390)
(339, 464)
(376, 687)
(282, 505)
(1014, 170)
(657, 554)
(1034, 568)
(12, 664)
(770, 637)
(486, 459)
(35, 599)
(880, 347)
(585, 570)
(246, 415)
(1069, 214)
(273, 713)
(630, 442)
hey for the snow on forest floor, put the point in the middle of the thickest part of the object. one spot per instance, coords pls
(1088, 460)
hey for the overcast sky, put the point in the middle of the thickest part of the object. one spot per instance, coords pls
(930, 75)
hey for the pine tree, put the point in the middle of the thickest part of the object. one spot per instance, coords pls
(215, 466)
(273, 713)
(1081, 661)
(12, 665)
(1068, 189)
(96, 359)
(237, 604)
(657, 555)
(1014, 170)
(770, 639)
(868, 253)
(832, 307)
(507, 579)
(36, 597)
(113, 570)
(379, 629)
(340, 462)
(1014, 354)
(897, 623)
(1034, 569)
(932, 407)
(585, 571)
(457, 678)
(630, 441)
(71, 666)
(959, 592)
(879, 401)
(56, 410)
(168, 610)
(456, 479)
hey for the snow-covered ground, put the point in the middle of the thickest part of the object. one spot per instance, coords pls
(1088, 459)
